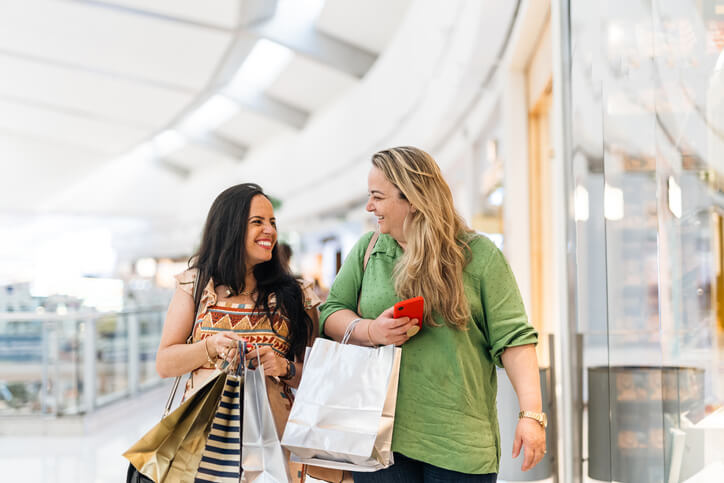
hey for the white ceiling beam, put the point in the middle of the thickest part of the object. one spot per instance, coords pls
(223, 145)
(99, 71)
(258, 101)
(75, 34)
(247, 11)
(176, 169)
(305, 39)
(77, 113)
(274, 109)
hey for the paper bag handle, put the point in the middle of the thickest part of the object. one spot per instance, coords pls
(350, 329)
(189, 339)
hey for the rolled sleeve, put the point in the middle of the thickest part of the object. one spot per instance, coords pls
(311, 299)
(505, 316)
(346, 287)
(185, 280)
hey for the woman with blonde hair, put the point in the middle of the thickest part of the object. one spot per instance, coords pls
(446, 426)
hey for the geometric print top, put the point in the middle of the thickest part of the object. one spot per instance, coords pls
(254, 327)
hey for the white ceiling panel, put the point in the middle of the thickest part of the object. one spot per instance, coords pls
(309, 85)
(89, 92)
(112, 41)
(220, 13)
(147, 189)
(68, 128)
(32, 171)
(250, 128)
(196, 157)
(369, 24)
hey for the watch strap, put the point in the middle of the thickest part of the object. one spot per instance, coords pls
(539, 417)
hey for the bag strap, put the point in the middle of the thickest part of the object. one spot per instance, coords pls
(189, 339)
(368, 252)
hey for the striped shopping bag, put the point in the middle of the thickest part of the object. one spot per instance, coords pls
(221, 459)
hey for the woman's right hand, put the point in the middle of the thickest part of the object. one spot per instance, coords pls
(385, 329)
(223, 345)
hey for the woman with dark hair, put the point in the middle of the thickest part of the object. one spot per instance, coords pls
(236, 288)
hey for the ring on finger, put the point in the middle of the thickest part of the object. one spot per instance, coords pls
(412, 331)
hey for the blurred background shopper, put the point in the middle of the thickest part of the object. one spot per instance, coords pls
(446, 426)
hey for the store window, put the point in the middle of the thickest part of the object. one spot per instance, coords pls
(647, 87)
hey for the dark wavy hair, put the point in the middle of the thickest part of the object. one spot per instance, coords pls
(222, 257)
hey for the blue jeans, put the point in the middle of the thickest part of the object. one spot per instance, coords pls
(407, 470)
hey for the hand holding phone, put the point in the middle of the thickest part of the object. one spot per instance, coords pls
(413, 308)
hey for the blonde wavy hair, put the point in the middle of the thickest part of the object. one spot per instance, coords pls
(436, 251)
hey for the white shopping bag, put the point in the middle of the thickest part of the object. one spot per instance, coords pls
(262, 457)
(344, 409)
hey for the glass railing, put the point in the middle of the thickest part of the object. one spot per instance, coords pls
(70, 364)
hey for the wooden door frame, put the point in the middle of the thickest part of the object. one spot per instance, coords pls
(540, 204)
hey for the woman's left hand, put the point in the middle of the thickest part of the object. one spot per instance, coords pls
(274, 364)
(532, 437)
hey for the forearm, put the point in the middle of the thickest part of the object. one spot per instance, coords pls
(180, 359)
(337, 323)
(521, 365)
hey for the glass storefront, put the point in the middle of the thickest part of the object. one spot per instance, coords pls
(647, 135)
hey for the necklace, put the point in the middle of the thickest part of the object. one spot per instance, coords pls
(229, 293)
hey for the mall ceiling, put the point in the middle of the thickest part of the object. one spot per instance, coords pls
(133, 110)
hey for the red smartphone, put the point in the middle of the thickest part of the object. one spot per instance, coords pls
(413, 308)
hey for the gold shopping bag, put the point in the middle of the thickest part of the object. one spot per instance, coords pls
(172, 449)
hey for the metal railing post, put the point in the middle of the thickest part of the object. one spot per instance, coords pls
(44, 377)
(89, 364)
(134, 353)
(52, 358)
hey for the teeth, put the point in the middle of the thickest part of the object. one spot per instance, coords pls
(264, 243)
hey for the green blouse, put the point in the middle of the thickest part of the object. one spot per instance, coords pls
(446, 411)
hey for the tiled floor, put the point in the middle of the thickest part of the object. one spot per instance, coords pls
(93, 458)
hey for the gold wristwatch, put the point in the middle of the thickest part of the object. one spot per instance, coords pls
(540, 417)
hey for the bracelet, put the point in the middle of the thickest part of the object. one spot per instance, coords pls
(206, 349)
(291, 371)
(369, 335)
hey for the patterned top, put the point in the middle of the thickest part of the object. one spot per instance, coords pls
(254, 326)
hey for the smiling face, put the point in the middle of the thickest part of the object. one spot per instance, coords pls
(261, 231)
(388, 205)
